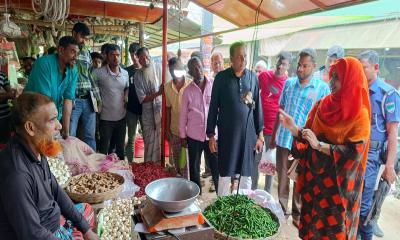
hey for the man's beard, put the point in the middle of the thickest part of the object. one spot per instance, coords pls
(49, 148)
(150, 75)
(305, 77)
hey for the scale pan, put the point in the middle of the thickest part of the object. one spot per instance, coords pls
(172, 194)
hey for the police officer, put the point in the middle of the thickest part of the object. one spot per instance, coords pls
(385, 104)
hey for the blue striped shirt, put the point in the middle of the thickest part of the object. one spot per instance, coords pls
(297, 101)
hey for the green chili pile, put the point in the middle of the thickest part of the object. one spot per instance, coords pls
(240, 216)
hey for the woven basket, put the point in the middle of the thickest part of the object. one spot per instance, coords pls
(222, 236)
(95, 197)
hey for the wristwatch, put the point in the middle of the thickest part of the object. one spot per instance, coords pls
(320, 145)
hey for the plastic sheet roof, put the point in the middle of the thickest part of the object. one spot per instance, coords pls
(97, 8)
(243, 12)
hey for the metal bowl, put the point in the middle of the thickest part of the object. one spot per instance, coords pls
(172, 194)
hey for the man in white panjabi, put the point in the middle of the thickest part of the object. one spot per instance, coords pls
(149, 89)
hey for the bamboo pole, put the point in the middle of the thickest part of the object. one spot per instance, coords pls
(164, 72)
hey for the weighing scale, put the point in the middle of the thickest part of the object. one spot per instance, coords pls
(157, 220)
(187, 224)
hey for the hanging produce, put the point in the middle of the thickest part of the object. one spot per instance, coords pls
(8, 28)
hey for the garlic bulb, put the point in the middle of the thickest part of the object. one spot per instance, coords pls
(60, 170)
(117, 220)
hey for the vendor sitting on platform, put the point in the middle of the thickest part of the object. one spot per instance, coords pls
(31, 201)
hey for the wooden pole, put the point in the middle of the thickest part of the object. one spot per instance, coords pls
(141, 34)
(126, 56)
(164, 72)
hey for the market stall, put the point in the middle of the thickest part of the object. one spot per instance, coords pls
(131, 201)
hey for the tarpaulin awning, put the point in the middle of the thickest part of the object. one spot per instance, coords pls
(96, 8)
(368, 35)
(243, 12)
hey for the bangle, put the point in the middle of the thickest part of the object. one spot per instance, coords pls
(262, 140)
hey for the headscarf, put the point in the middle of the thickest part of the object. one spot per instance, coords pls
(344, 116)
(342, 119)
(346, 104)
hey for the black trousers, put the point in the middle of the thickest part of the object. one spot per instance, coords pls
(115, 130)
(195, 149)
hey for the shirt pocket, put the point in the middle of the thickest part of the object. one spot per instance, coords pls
(376, 109)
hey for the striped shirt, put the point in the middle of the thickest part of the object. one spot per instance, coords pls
(297, 101)
(86, 76)
(4, 107)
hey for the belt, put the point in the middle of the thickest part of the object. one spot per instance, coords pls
(83, 96)
(376, 144)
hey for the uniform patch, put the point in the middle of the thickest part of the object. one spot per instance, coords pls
(390, 107)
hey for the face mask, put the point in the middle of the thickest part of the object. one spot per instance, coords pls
(179, 73)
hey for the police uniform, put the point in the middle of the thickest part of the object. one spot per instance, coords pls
(383, 111)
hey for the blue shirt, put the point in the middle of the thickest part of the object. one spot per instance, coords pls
(46, 79)
(297, 101)
(391, 107)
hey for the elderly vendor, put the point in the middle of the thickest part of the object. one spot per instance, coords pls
(31, 201)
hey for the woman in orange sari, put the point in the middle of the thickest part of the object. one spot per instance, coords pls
(332, 150)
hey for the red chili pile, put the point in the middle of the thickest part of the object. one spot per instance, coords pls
(147, 172)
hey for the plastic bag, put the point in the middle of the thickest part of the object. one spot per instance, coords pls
(264, 199)
(129, 187)
(182, 158)
(267, 163)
